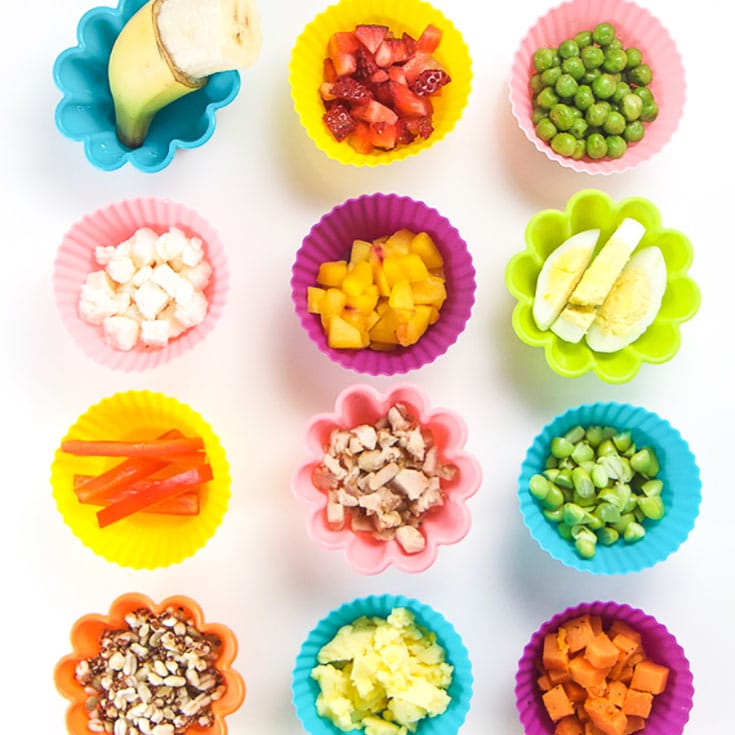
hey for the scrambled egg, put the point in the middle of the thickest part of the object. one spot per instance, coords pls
(382, 675)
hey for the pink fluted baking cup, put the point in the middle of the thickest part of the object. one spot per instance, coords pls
(637, 28)
(112, 225)
(445, 525)
(670, 711)
(368, 217)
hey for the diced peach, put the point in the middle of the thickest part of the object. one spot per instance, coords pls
(411, 331)
(401, 296)
(398, 243)
(343, 335)
(601, 652)
(360, 251)
(384, 330)
(430, 291)
(358, 279)
(649, 677)
(332, 302)
(557, 703)
(332, 273)
(379, 277)
(314, 297)
(424, 246)
(364, 302)
(414, 268)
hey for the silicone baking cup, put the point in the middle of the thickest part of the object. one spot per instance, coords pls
(637, 28)
(368, 217)
(671, 708)
(112, 225)
(304, 689)
(85, 635)
(586, 210)
(681, 493)
(143, 540)
(85, 112)
(306, 71)
(448, 524)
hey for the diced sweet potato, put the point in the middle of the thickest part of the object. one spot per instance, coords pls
(618, 626)
(601, 652)
(578, 632)
(585, 674)
(637, 703)
(543, 683)
(569, 726)
(553, 657)
(634, 724)
(616, 692)
(625, 644)
(606, 716)
(649, 677)
(559, 677)
(596, 624)
(557, 703)
(575, 692)
(591, 729)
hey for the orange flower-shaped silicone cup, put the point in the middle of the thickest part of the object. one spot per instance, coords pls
(448, 524)
(85, 635)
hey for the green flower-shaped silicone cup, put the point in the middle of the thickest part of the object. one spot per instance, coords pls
(586, 210)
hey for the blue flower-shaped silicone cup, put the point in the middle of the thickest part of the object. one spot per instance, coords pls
(304, 690)
(85, 112)
(681, 494)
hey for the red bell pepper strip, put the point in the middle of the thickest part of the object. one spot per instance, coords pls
(151, 492)
(186, 504)
(151, 448)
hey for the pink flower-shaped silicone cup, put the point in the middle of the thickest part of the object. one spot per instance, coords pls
(637, 28)
(446, 525)
(112, 225)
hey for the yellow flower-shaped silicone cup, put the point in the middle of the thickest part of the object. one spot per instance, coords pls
(142, 540)
(586, 210)
(306, 71)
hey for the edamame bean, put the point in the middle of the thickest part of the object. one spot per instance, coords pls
(652, 488)
(561, 447)
(652, 507)
(583, 485)
(645, 462)
(575, 434)
(634, 532)
(607, 536)
(553, 498)
(539, 486)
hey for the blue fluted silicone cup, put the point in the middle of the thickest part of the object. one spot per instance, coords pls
(304, 690)
(85, 112)
(681, 494)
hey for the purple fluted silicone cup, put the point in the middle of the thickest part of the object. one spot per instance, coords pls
(366, 218)
(670, 710)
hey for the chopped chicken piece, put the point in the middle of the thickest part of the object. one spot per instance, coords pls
(410, 539)
(370, 461)
(411, 482)
(366, 435)
(335, 516)
(383, 476)
(398, 418)
(415, 444)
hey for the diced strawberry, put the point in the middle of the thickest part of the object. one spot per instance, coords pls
(371, 36)
(379, 76)
(429, 40)
(346, 88)
(403, 134)
(360, 138)
(391, 51)
(383, 135)
(410, 42)
(421, 61)
(397, 74)
(374, 112)
(382, 93)
(325, 91)
(339, 121)
(330, 73)
(366, 65)
(420, 126)
(342, 48)
(408, 104)
(429, 82)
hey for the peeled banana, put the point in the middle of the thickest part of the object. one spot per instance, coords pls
(169, 48)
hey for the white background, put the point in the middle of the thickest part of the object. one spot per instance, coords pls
(257, 378)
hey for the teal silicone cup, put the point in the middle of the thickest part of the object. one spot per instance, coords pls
(304, 690)
(681, 494)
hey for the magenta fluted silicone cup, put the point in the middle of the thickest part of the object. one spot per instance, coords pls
(443, 525)
(637, 28)
(670, 710)
(366, 218)
(113, 225)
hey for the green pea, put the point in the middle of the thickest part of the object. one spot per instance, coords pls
(615, 43)
(615, 60)
(652, 507)
(592, 57)
(543, 59)
(645, 462)
(652, 488)
(603, 33)
(580, 148)
(634, 532)
(584, 97)
(536, 84)
(649, 112)
(553, 497)
(545, 129)
(596, 114)
(614, 125)
(631, 106)
(547, 98)
(566, 86)
(564, 144)
(607, 536)
(644, 93)
(603, 87)
(640, 75)
(634, 132)
(634, 58)
(596, 146)
(569, 48)
(539, 486)
(574, 67)
(583, 39)
(550, 76)
(616, 146)
(538, 115)
(621, 89)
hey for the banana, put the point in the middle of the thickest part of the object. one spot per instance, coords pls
(169, 48)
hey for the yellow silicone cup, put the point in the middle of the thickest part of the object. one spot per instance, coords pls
(306, 71)
(143, 540)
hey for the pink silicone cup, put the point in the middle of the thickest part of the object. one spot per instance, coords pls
(111, 226)
(446, 525)
(637, 28)
(368, 217)
(670, 711)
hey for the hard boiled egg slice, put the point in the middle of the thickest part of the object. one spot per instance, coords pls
(632, 304)
(560, 274)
